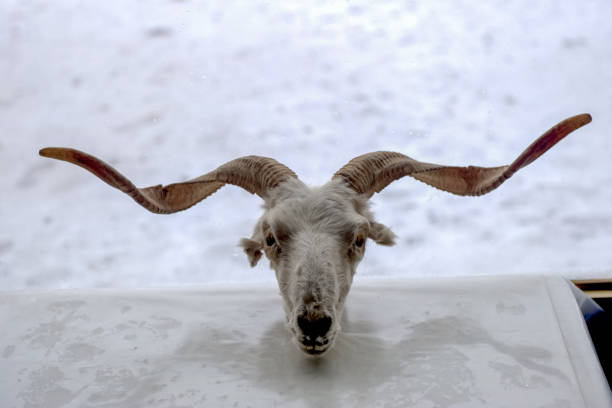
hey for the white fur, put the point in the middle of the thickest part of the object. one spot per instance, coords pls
(319, 238)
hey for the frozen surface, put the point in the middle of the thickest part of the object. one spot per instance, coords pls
(168, 90)
(457, 342)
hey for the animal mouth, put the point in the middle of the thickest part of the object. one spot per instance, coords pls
(317, 347)
(314, 350)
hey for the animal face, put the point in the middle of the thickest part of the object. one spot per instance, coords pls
(314, 239)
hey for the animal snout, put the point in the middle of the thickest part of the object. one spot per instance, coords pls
(315, 330)
(314, 327)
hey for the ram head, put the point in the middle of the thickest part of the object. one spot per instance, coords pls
(315, 237)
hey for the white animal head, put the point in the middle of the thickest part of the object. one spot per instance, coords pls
(316, 237)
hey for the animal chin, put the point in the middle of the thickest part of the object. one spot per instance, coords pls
(316, 350)
(319, 348)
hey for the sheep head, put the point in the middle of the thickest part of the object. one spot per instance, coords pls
(315, 237)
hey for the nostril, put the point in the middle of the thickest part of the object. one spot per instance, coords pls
(303, 323)
(322, 325)
(317, 327)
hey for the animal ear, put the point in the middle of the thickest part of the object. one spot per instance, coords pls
(253, 250)
(381, 234)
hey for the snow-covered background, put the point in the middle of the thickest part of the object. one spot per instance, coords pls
(168, 90)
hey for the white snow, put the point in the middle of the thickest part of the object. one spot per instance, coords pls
(168, 90)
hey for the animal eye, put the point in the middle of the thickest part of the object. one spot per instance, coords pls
(270, 240)
(359, 242)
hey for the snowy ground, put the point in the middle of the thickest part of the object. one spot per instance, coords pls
(167, 90)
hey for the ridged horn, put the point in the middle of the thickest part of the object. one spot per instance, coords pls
(255, 174)
(372, 172)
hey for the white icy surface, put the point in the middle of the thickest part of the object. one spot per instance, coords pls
(167, 90)
(421, 343)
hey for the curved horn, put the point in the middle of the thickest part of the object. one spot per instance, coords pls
(255, 174)
(372, 172)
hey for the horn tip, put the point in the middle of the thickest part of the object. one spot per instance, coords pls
(52, 152)
(584, 118)
(46, 152)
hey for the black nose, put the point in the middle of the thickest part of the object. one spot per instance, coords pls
(314, 326)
